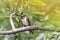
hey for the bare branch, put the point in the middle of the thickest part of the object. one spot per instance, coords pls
(34, 27)
(11, 21)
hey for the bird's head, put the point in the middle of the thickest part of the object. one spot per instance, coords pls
(23, 15)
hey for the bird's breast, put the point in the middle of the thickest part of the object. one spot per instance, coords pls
(25, 21)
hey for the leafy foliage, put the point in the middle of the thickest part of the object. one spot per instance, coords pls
(42, 12)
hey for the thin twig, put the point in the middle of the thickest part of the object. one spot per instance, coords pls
(15, 9)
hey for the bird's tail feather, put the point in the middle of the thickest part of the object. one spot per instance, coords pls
(27, 32)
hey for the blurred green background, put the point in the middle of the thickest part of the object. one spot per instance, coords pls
(42, 12)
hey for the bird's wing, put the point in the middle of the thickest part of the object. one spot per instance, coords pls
(28, 21)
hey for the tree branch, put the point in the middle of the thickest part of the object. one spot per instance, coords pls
(34, 27)
(11, 21)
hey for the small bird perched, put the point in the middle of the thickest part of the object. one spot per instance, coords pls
(25, 21)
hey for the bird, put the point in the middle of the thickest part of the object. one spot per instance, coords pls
(25, 21)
